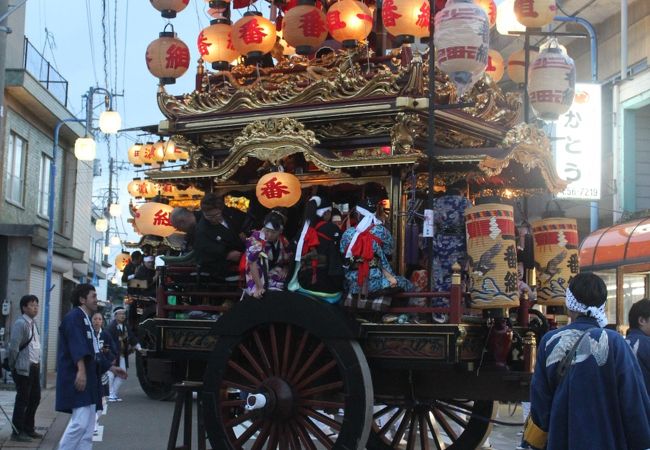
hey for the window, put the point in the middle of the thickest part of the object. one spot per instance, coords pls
(44, 184)
(16, 169)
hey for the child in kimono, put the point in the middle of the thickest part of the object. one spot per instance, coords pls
(587, 391)
(638, 336)
(108, 349)
(319, 270)
(267, 257)
(366, 248)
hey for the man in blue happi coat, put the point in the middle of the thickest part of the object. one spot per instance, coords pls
(638, 336)
(587, 391)
(80, 365)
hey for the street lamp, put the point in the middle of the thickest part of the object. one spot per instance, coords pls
(81, 155)
(101, 225)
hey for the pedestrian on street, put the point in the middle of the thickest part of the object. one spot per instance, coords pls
(25, 364)
(638, 336)
(124, 340)
(587, 391)
(80, 365)
(107, 347)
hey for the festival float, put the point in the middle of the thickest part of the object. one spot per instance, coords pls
(351, 116)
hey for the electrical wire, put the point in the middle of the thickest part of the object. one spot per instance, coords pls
(89, 22)
(115, 55)
(105, 45)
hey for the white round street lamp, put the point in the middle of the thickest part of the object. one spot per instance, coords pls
(110, 122)
(116, 241)
(106, 250)
(115, 210)
(85, 148)
(101, 225)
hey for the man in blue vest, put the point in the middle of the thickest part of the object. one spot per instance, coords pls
(80, 366)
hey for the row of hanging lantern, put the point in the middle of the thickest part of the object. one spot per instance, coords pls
(156, 153)
(147, 189)
(461, 38)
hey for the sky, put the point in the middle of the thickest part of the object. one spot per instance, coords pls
(71, 37)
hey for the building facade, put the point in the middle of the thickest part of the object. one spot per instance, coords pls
(35, 101)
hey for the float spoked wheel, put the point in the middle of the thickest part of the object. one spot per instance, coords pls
(155, 390)
(436, 424)
(279, 386)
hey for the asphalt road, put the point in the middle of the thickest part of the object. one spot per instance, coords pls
(139, 423)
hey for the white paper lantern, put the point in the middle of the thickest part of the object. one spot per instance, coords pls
(551, 83)
(462, 38)
(154, 219)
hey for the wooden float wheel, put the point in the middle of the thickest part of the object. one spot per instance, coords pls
(315, 393)
(155, 390)
(437, 424)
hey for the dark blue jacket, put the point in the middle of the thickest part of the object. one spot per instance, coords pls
(76, 343)
(640, 344)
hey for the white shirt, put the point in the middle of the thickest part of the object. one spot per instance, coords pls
(34, 347)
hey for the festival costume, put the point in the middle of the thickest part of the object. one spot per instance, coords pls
(270, 260)
(640, 344)
(213, 242)
(319, 270)
(77, 342)
(123, 340)
(366, 248)
(600, 404)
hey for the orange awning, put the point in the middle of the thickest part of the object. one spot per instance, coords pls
(622, 244)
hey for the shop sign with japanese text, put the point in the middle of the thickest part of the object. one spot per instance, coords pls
(578, 144)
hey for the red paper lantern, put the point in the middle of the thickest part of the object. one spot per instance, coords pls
(490, 9)
(551, 83)
(349, 21)
(169, 8)
(462, 38)
(516, 65)
(278, 189)
(167, 57)
(535, 13)
(215, 44)
(122, 260)
(253, 35)
(305, 27)
(135, 155)
(495, 66)
(154, 219)
(406, 19)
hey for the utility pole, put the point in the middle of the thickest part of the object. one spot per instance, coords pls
(107, 213)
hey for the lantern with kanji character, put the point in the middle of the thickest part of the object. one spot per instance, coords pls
(153, 153)
(462, 38)
(173, 153)
(490, 8)
(134, 188)
(135, 154)
(551, 83)
(215, 44)
(148, 189)
(287, 50)
(495, 66)
(556, 257)
(169, 8)
(492, 255)
(535, 13)
(278, 189)
(304, 27)
(406, 19)
(517, 65)
(253, 35)
(217, 7)
(349, 21)
(168, 190)
(167, 57)
(121, 261)
(154, 219)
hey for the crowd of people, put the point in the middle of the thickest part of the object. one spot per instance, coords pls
(92, 362)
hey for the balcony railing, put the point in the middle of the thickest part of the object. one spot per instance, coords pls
(42, 70)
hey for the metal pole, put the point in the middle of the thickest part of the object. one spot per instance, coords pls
(431, 130)
(50, 248)
(95, 242)
(526, 100)
(107, 213)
